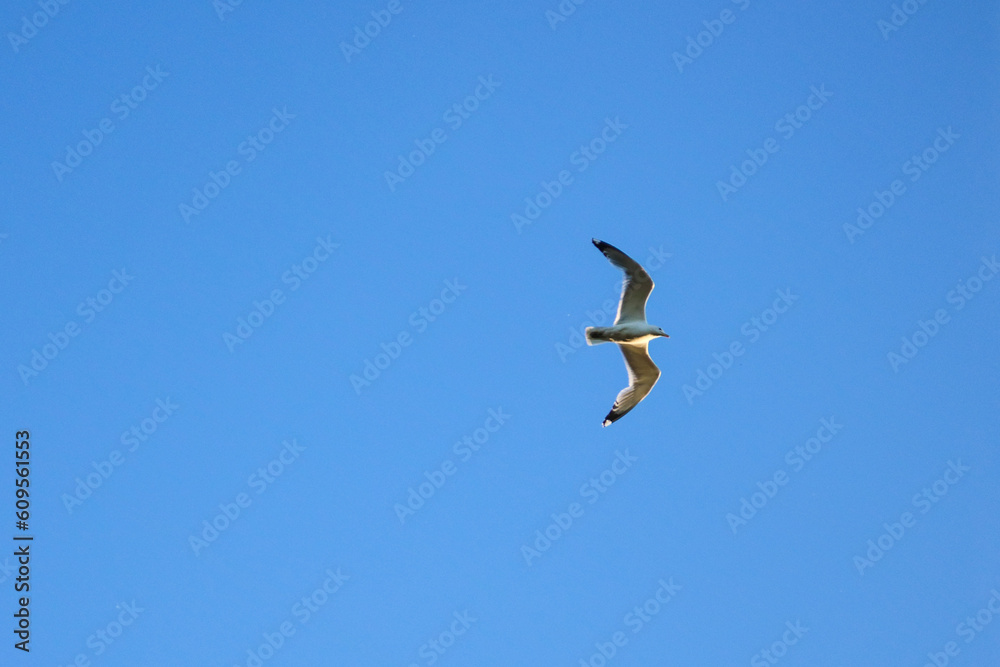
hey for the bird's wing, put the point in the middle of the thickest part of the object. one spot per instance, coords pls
(642, 375)
(635, 288)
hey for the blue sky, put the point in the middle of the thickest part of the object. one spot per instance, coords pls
(293, 321)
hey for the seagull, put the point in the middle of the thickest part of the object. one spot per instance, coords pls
(630, 332)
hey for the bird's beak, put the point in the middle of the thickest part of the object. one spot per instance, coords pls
(665, 335)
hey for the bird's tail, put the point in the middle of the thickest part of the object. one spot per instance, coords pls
(597, 335)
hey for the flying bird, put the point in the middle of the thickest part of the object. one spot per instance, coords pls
(630, 332)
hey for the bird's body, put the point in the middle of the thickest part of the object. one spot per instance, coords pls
(626, 333)
(630, 332)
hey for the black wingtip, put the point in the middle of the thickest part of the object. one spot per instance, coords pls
(601, 245)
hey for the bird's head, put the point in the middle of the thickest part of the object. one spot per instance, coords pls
(659, 332)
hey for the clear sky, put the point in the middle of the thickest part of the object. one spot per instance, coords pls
(293, 318)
